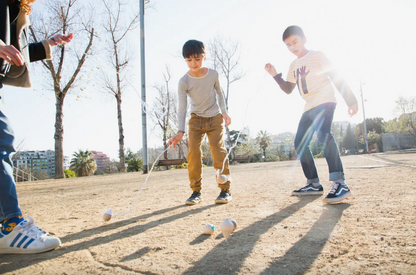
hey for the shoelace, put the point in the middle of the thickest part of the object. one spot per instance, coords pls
(334, 187)
(32, 230)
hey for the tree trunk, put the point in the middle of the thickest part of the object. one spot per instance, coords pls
(165, 145)
(264, 155)
(179, 151)
(121, 136)
(59, 138)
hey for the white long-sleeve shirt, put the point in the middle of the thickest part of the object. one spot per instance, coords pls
(205, 96)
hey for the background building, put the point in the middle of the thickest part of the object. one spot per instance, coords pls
(102, 161)
(38, 162)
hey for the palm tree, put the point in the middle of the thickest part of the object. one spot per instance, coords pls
(83, 164)
(264, 140)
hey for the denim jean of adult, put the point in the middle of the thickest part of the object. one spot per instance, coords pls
(319, 120)
(9, 206)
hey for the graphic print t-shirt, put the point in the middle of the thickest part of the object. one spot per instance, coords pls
(312, 82)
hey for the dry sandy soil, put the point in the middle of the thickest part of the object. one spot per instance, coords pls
(373, 232)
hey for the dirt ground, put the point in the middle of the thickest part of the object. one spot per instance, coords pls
(373, 232)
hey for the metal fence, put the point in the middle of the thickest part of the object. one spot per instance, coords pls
(20, 175)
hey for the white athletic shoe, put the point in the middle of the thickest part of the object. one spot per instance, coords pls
(27, 238)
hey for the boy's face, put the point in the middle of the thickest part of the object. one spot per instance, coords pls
(296, 44)
(195, 62)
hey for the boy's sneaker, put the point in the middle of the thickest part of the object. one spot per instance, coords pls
(27, 238)
(194, 198)
(309, 189)
(338, 193)
(224, 197)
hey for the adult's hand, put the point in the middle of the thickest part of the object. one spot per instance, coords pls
(11, 55)
(60, 39)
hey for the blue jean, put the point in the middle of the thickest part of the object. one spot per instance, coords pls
(9, 206)
(319, 120)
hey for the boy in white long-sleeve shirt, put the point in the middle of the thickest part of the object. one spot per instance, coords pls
(208, 112)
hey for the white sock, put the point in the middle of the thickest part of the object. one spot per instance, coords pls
(341, 181)
(316, 184)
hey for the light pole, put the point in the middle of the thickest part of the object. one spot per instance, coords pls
(143, 82)
(365, 124)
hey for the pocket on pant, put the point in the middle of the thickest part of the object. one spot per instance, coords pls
(194, 122)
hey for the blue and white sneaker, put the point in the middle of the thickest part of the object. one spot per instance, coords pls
(27, 238)
(309, 189)
(338, 193)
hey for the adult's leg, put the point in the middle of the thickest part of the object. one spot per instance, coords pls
(303, 138)
(9, 206)
(322, 121)
(196, 135)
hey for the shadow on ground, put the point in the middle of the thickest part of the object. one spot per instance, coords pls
(10, 263)
(223, 259)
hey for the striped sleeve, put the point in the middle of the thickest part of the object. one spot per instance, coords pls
(182, 104)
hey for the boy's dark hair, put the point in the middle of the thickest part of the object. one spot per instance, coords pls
(293, 30)
(192, 48)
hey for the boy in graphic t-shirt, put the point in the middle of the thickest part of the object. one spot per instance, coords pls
(313, 76)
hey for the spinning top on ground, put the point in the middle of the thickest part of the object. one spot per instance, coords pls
(235, 224)
(227, 227)
(107, 215)
(209, 229)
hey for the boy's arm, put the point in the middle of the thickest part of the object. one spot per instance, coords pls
(220, 96)
(221, 102)
(182, 105)
(343, 88)
(339, 83)
(286, 86)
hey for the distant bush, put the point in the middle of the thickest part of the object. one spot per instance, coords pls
(271, 157)
(69, 173)
(255, 158)
(99, 172)
(320, 155)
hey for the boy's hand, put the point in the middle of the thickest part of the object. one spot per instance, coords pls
(270, 69)
(11, 55)
(227, 119)
(352, 110)
(176, 139)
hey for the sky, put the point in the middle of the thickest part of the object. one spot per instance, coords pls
(372, 42)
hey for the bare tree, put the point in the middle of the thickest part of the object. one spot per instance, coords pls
(63, 16)
(164, 109)
(406, 109)
(117, 27)
(226, 59)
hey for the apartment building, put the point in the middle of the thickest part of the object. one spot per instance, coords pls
(38, 161)
(101, 160)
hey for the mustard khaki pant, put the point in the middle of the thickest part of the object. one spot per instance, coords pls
(214, 129)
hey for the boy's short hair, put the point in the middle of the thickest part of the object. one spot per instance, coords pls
(293, 30)
(193, 48)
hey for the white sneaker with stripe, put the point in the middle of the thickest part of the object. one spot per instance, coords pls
(27, 238)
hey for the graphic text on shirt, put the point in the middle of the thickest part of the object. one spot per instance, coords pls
(302, 73)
